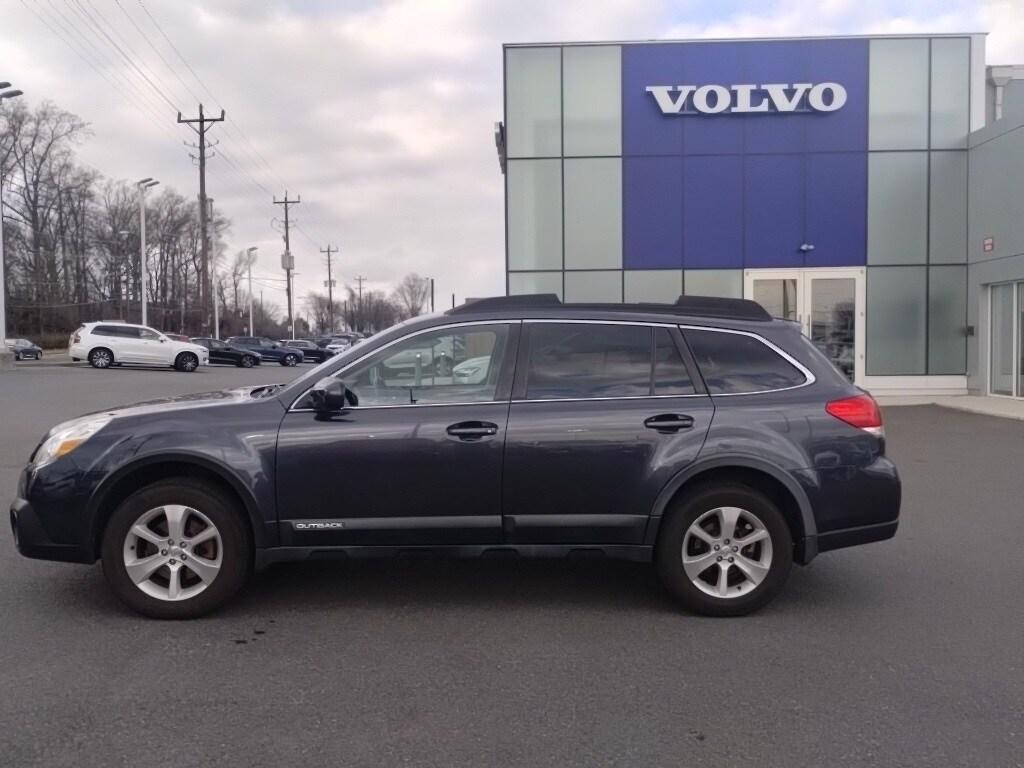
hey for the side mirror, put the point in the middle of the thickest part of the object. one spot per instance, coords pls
(328, 395)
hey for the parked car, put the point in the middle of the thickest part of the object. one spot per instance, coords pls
(222, 352)
(268, 349)
(339, 342)
(104, 344)
(24, 349)
(178, 337)
(310, 351)
(702, 436)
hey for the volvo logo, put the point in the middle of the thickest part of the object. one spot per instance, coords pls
(748, 98)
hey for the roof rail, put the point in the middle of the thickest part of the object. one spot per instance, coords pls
(714, 306)
(694, 306)
(528, 300)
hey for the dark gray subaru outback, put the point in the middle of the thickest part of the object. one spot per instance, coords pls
(703, 436)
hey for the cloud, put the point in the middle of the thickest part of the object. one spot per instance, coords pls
(378, 113)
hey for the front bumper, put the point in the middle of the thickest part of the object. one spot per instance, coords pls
(32, 540)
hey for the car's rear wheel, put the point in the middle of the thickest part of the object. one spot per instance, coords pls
(101, 357)
(247, 361)
(289, 360)
(724, 550)
(176, 549)
(187, 362)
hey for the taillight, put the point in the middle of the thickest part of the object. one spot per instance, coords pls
(860, 411)
(76, 339)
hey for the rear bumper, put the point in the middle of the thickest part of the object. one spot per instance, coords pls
(851, 537)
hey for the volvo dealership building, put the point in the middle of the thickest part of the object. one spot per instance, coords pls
(868, 188)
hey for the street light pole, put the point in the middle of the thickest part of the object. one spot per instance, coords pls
(6, 356)
(252, 258)
(143, 185)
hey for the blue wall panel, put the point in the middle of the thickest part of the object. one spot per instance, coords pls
(652, 228)
(713, 196)
(755, 186)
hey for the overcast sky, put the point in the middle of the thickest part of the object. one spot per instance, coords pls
(379, 114)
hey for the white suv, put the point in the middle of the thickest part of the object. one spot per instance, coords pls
(105, 344)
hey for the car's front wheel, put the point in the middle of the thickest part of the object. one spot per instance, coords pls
(724, 550)
(247, 361)
(186, 362)
(289, 360)
(176, 549)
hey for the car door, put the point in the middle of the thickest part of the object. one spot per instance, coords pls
(415, 460)
(153, 347)
(127, 343)
(603, 415)
(219, 352)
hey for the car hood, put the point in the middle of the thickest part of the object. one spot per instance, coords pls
(185, 346)
(196, 400)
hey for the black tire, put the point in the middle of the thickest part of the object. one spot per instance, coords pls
(289, 360)
(236, 557)
(101, 358)
(686, 510)
(246, 361)
(186, 362)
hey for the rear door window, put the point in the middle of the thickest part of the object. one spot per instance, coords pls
(735, 363)
(671, 376)
(588, 360)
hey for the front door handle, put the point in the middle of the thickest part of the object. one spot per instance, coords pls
(669, 422)
(472, 430)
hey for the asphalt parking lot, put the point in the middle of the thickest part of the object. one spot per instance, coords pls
(908, 652)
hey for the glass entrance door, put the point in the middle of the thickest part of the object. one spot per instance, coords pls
(1006, 340)
(828, 304)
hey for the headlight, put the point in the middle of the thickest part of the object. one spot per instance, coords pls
(66, 437)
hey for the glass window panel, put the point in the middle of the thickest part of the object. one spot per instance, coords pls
(459, 365)
(1001, 333)
(593, 286)
(947, 241)
(896, 320)
(535, 214)
(592, 99)
(777, 296)
(588, 360)
(593, 213)
(1020, 339)
(534, 282)
(897, 207)
(671, 376)
(657, 285)
(950, 92)
(833, 303)
(733, 363)
(533, 102)
(898, 94)
(947, 309)
(713, 282)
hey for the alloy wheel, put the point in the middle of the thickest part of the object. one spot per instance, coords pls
(100, 358)
(727, 552)
(173, 552)
(189, 363)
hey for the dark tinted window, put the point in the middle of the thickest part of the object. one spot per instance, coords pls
(670, 374)
(108, 330)
(732, 363)
(588, 360)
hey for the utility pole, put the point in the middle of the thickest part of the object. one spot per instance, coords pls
(213, 278)
(330, 286)
(431, 294)
(288, 261)
(143, 185)
(359, 314)
(6, 356)
(204, 284)
(252, 257)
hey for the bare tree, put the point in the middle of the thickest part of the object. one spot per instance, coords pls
(411, 295)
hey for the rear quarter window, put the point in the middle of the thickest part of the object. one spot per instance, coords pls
(735, 363)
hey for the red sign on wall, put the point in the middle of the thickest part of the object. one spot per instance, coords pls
(988, 244)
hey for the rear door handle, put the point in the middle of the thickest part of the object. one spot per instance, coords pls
(669, 422)
(472, 430)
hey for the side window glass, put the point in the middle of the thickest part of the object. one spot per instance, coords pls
(733, 363)
(583, 360)
(453, 365)
(103, 330)
(146, 333)
(670, 374)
